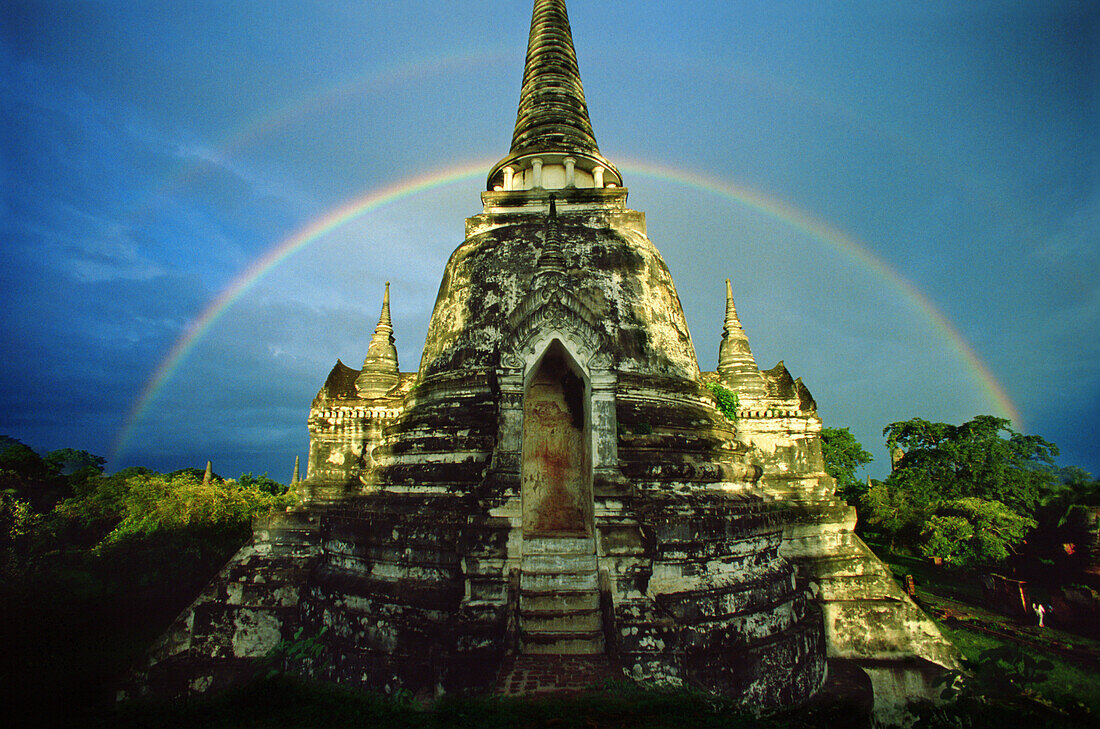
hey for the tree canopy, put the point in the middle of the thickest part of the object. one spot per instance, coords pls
(984, 457)
(973, 532)
(62, 506)
(967, 493)
(843, 454)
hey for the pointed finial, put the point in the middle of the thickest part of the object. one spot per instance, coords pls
(552, 110)
(553, 207)
(384, 319)
(552, 119)
(294, 479)
(732, 323)
(736, 365)
(380, 370)
(209, 475)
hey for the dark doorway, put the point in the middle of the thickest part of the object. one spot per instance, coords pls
(557, 464)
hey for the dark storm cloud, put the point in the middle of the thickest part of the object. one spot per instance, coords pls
(152, 152)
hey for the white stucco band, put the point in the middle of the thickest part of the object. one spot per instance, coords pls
(552, 171)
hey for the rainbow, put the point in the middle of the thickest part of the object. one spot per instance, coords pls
(374, 199)
(850, 248)
(259, 268)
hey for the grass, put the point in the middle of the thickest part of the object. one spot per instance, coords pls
(287, 704)
(1068, 680)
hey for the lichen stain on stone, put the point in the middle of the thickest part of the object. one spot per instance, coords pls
(256, 633)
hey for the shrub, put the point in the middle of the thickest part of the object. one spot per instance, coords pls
(726, 399)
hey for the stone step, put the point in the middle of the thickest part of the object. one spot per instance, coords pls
(581, 622)
(532, 606)
(530, 674)
(545, 582)
(563, 602)
(587, 643)
(559, 545)
(555, 562)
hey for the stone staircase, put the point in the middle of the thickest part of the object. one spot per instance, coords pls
(559, 600)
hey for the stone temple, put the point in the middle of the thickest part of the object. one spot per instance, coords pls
(557, 477)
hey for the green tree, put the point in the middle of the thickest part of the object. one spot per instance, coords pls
(972, 532)
(895, 513)
(264, 483)
(67, 461)
(146, 503)
(983, 457)
(20, 530)
(25, 474)
(144, 527)
(843, 455)
(1080, 486)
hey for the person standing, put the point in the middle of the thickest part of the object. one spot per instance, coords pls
(1040, 612)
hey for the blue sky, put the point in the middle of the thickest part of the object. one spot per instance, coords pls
(153, 151)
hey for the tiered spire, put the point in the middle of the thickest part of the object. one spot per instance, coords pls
(380, 372)
(294, 479)
(553, 117)
(736, 365)
(552, 110)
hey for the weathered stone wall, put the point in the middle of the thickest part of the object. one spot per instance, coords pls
(868, 618)
(616, 271)
(701, 596)
(444, 438)
(239, 618)
(413, 593)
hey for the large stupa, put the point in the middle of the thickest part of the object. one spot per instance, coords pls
(557, 478)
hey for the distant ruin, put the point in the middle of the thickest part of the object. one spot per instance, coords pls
(557, 477)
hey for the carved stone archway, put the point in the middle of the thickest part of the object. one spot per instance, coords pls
(545, 318)
(556, 461)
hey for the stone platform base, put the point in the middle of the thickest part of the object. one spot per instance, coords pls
(846, 684)
(543, 674)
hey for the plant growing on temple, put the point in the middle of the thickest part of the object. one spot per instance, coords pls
(726, 399)
(293, 656)
(844, 454)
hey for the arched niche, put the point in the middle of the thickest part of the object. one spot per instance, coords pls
(538, 323)
(556, 452)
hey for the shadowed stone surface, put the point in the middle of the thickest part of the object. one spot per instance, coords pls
(524, 675)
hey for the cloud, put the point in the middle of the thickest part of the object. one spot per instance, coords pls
(109, 256)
